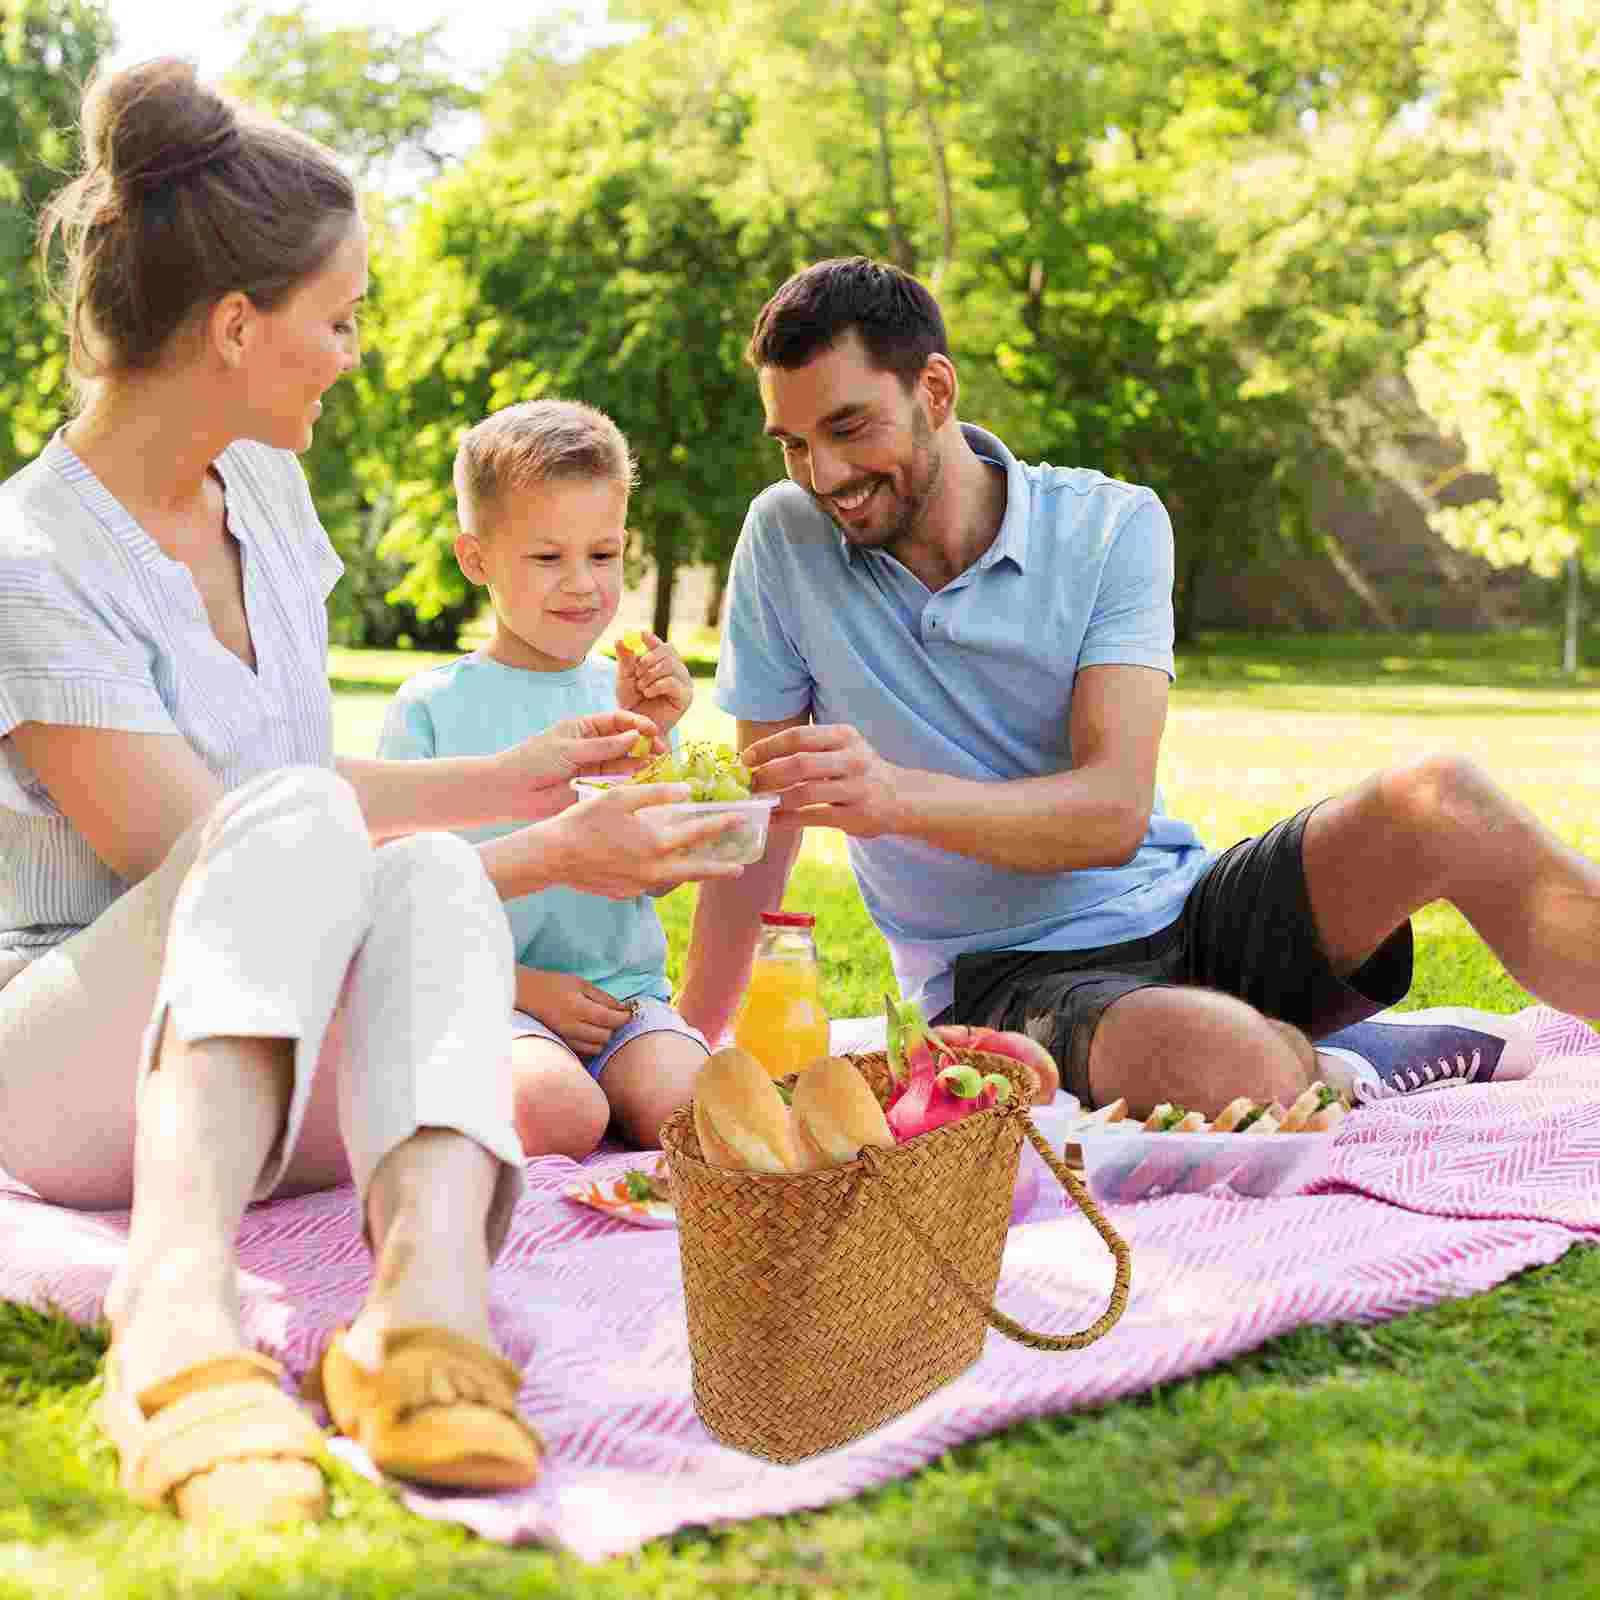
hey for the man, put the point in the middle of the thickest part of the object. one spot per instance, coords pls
(963, 662)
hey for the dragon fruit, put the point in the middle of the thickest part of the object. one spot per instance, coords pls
(932, 1083)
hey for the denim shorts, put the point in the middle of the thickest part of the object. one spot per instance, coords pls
(1246, 929)
(651, 1016)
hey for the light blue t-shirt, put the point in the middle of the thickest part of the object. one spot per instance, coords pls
(974, 680)
(477, 706)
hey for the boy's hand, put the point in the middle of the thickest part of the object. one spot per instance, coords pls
(583, 1015)
(653, 681)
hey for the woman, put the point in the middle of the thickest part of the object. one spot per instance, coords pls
(220, 982)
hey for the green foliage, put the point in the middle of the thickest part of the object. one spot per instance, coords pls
(1512, 353)
(379, 98)
(597, 262)
(48, 50)
(378, 94)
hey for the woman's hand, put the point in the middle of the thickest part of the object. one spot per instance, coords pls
(653, 681)
(619, 844)
(584, 1016)
(578, 747)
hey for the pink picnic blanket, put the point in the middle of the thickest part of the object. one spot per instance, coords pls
(1425, 1199)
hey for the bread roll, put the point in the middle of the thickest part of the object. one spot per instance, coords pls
(834, 1114)
(739, 1116)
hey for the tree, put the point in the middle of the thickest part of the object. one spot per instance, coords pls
(597, 262)
(386, 102)
(1511, 359)
(48, 52)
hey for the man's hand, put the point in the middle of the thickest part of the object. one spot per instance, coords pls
(599, 744)
(654, 681)
(583, 1015)
(829, 777)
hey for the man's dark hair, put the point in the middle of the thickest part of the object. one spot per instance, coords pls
(898, 321)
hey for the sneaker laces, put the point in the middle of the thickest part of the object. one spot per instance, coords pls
(1438, 1074)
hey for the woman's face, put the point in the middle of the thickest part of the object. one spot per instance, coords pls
(304, 346)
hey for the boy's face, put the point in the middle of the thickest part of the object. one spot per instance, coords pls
(551, 557)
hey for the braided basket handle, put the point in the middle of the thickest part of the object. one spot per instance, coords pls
(871, 1159)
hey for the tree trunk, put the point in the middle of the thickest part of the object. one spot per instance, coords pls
(1188, 599)
(719, 592)
(940, 162)
(1570, 653)
(666, 582)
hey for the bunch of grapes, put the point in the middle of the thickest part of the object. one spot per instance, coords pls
(712, 771)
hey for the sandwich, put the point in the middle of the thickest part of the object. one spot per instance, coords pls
(1168, 1118)
(1318, 1110)
(1248, 1116)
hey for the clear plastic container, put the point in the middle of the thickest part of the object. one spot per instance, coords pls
(781, 1020)
(742, 845)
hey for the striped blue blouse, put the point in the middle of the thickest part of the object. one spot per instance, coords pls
(99, 628)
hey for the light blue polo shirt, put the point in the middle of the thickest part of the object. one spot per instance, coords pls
(477, 706)
(974, 680)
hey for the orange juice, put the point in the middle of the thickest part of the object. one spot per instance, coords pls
(781, 1021)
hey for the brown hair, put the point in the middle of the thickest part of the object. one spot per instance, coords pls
(537, 441)
(897, 319)
(183, 198)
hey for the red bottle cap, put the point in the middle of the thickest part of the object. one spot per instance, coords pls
(788, 919)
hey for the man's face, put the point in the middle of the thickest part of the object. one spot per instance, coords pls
(855, 440)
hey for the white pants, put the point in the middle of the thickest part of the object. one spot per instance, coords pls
(273, 917)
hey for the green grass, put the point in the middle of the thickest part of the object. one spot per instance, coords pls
(1447, 1455)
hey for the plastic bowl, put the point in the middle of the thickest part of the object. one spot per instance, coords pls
(742, 845)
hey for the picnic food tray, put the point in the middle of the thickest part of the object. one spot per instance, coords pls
(742, 845)
(1122, 1167)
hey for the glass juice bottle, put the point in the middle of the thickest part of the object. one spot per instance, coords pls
(781, 1021)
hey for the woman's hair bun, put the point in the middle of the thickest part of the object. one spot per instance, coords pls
(153, 123)
(182, 199)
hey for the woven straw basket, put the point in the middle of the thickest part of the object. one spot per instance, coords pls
(823, 1304)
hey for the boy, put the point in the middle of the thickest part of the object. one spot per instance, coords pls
(542, 500)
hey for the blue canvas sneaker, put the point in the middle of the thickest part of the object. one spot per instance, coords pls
(1404, 1052)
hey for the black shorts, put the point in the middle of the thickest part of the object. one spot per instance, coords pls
(1246, 929)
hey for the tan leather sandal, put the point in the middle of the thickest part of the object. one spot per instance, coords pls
(220, 1440)
(441, 1410)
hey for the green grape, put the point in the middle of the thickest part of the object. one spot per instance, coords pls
(712, 771)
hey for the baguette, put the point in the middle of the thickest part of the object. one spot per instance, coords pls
(833, 1114)
(739, 1116)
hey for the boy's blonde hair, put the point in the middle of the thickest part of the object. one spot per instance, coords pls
(534, 442)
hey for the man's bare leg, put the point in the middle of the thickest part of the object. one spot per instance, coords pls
(1440, 829)
(1196, 1048)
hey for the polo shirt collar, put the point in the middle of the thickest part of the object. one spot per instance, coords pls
(1011, 543)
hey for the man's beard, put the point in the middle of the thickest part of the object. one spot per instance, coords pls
(922, 482)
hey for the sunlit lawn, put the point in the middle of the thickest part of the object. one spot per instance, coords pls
(1447, 1455)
